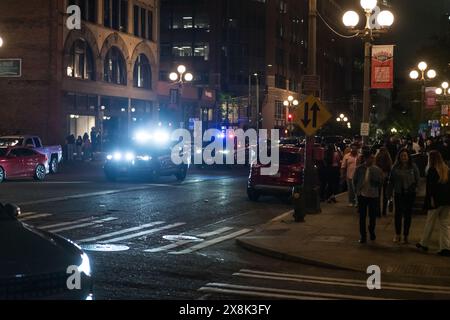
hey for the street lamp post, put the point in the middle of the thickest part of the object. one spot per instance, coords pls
(289, 103)
(180, 77)
(1, 42)
(422, 75)
(344, 120)
(351, 19)
(443, 90)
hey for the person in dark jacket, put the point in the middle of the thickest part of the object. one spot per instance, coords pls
(403, 183)
(437, 202)
(384, 162)
(368, 179)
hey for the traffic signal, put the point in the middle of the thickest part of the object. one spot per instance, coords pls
(290, 117)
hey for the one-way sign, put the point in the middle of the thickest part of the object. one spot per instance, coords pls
(311, 115)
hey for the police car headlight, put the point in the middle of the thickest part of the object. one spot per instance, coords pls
(109, 157)
(85, 265)
(129, 156)
(118, 156)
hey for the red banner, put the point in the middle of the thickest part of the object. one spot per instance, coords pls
(383, 67)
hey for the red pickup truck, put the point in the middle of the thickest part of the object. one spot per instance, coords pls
(53, 153)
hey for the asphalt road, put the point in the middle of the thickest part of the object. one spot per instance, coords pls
(177, 239)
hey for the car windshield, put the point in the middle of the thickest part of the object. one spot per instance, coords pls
(10, 142)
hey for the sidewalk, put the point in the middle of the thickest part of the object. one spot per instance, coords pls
(330, 239)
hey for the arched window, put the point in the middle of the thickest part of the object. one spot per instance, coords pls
(81, 61)
(142, 73)
(115, 70)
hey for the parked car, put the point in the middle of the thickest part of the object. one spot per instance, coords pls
(35, 262)
(290, 173)
(17, 162)
(53, 153)
(139, 161)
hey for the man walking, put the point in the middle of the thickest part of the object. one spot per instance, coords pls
(368, 180)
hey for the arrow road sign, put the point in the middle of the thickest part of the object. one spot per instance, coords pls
(311, 115)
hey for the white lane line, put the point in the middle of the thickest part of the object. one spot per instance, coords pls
(62, 224)
(67, 182)
(37, 216)
(183, 242)
(215, 232)
(143, 233)
(82, 225)
(212, 242)
(116, 233)
(84, 195)
(282, 216)
(258, 294)
(293, 292)
(342, 282)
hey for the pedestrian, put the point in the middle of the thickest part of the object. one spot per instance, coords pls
(70, 143)
(86, 146)
(333, 166)
(368, 179)
(94, 139)
(384, 162)
(403, 182)
(349, 164)
(437, 203)
(79, 146)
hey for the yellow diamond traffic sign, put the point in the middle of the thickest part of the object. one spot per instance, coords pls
(311, 115)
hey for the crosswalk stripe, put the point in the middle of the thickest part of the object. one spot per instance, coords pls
(143, 233)
(212, 242)
(183, 242)
(292, 292)
(215, 232)
(26, 214)
(116, 233)
(82, 225)
(258, 294)
(37, 216)
(62, 224)
(342, 282)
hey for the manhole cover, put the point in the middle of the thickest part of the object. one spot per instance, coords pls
(104, 247)
(181, 238)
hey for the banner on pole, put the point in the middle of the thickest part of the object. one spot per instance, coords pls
(430, 97)
(383, 67)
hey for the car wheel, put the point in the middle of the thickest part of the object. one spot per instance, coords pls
(39, 173)
(181, 175)
(53, 165)
(2, 175)
(253, 195)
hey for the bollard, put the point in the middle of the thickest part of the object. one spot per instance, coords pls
(298, 200)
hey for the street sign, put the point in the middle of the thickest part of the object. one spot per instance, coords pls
(365, 129)
(311, 115)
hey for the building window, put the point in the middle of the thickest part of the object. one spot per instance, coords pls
(182, 50)
(88, 9)
(81, 62)
(201, 21)
(116, 14)
(201, 50)
(142, 74)
(280, 113)
(280, 82)
(143, 23)
(114, 67)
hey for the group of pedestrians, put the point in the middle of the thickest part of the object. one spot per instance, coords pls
(83, 148)
(374, 178)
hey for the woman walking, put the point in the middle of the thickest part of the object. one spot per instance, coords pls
(384, 162)
(403, 182)
(437, 202)
(333, 171)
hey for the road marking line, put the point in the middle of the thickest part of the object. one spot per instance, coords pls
(212, 242)
(143, 233)
(343, 282)
(26, 214)
(82, 225)
(282, 216)
(37, 216)
(295, 292)
(215, 232)
(116, 233)
(63, 224)
(258, 294)
(183, 242)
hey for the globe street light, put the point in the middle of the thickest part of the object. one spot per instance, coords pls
(422, 75)
(1, 42)
(180, 77)
(385, 19)
(444, 89)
